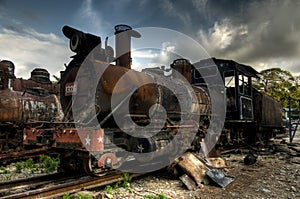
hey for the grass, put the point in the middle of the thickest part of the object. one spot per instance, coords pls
(157, 196)
(48, 164)
(124, 182)
(45, 164)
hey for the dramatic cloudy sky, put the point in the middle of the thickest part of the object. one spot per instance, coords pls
(263, 34)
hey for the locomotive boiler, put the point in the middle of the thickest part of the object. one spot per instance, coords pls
(23, 101)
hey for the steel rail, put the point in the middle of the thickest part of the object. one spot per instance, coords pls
(34, 182)
(70, 187)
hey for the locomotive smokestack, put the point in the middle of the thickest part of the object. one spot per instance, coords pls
(123, 34)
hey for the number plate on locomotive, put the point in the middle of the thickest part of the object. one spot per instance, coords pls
(71, 88)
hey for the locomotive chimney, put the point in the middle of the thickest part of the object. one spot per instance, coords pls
(123, 34)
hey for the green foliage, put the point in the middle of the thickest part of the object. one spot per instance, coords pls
(157, 196)
(67, 196)
(125, 182)
(279, 84)
(48, 164)
(116, 185)
(85, 196)
(28, 164)
(19, 166)
(5, 171)
(162, 196)
(109, 189)
(45, 164)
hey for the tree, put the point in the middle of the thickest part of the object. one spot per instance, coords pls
(279, 84)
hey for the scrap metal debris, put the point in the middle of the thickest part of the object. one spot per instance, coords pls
(250, 158)
(198, 171)
(219, 177)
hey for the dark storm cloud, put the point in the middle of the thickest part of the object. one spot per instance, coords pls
(246, 31)
(179, 15)
(273, 30)
(2, 3)
(2, 7)
(254, 31)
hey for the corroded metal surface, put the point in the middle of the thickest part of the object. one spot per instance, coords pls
(118, 81)
(17, 107)
(23, 101)
(268, 111)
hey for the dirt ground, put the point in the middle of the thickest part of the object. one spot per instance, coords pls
(276, 174)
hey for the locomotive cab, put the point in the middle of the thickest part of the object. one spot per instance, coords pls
(238, 84)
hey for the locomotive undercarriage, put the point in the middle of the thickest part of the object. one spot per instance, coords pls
(239, 133)
(76, 155)
(82, 161)
(11, 137)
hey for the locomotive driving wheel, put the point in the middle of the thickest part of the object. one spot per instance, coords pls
(89, 163)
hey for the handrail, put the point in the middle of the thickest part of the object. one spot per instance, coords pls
(292, 131)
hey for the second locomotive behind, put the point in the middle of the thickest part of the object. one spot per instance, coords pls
(23, 101)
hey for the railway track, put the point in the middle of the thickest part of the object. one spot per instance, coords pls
(55, 185)
(13, 156)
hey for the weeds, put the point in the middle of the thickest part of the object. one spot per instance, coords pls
(84, 196)
(45, 164)
(28, 164)
(125, 182)
(109, 189)
(157, 196)
(67, 196)
(48, 164)
(4, 170)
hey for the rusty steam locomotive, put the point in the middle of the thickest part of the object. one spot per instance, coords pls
(108, 128)
(22, 101)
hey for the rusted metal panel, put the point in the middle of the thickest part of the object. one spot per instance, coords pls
(67, 136)
(107, 159)
(93, 140)
(9, 106)
(4, 76)
(204, 101)
(22, 107)
(184, 67)
(88, 139)
(30, 135)
(19, 84)
(24, 100)
(268, 111)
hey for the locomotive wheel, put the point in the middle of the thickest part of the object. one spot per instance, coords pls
(89, 168)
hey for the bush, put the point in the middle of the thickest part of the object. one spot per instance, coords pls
(48, 164)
